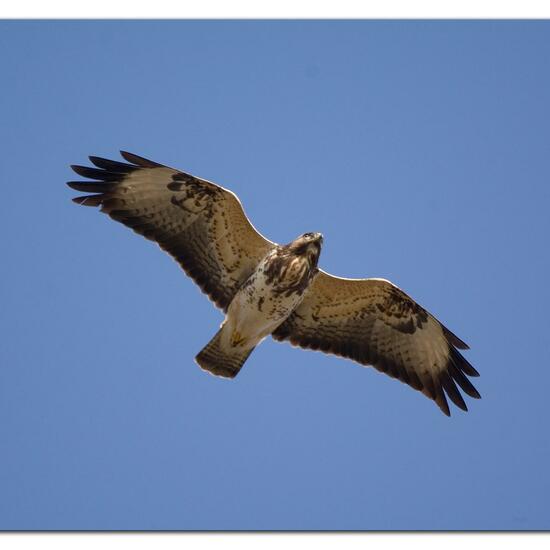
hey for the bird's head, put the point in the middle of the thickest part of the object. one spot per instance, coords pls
(308, 244)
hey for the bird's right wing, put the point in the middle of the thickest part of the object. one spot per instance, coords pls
(373, 322)
(202, 225)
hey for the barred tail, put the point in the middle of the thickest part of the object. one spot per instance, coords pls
(222, 360)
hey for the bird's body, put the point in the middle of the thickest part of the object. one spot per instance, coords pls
(261, 304)
(270, 289)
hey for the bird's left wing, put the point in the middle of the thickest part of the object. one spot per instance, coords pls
(202, 225)
(373, 322)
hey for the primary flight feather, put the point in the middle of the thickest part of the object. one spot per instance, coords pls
(278, 290)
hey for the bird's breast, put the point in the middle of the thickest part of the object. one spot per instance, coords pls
(270, 294)
(287, 274)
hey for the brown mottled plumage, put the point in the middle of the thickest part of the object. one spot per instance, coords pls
(200, 224)
(266, 288)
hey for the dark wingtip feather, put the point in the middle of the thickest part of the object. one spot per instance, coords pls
(439, 395)
(473, 393)
(471, 371)
(452, 391)
(89, 187)
(80, 170)
(454, 339)
(89, 200)
(95, 173)
(459, 377)
(461, 363)
(139, 161)
(443, 406)
(112, 165)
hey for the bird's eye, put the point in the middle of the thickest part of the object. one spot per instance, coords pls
(308, 235)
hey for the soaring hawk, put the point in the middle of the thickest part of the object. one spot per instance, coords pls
(269, 289)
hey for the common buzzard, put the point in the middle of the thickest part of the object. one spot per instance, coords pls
(265, 288)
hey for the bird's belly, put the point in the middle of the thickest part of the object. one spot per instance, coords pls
(257, 310)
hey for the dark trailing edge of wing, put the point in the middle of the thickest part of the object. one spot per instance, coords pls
(455, 373)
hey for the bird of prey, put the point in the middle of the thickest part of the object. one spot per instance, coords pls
(269, 289)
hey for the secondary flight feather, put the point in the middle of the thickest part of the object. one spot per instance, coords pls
(269, 289)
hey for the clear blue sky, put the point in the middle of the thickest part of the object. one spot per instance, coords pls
(419, 149)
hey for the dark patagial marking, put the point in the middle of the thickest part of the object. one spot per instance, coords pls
(193, 186)
(194, 195)
(260, 303)
(400, 308)
(180, 181)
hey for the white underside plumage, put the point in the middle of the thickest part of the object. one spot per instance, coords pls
(257, 309)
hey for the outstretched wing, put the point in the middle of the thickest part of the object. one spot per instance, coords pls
(202, 225)
(373, 322)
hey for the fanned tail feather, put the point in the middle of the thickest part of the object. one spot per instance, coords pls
(222, 360)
